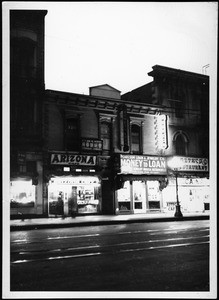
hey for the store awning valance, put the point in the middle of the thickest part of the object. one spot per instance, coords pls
(130, 177)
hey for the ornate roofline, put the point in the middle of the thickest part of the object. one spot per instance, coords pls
(79, 100)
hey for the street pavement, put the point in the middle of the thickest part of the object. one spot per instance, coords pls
(92, 220)
(156, 256)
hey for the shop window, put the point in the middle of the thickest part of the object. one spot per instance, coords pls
(72, 135)
(77, 194)
(22, 194)
(154, 195)
(105, 135)
(123, 195)
(135, 139)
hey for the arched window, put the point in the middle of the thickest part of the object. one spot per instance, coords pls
(105, 135)
(180, 144)
(135, 138)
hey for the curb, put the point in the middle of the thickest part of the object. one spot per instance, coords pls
(104, 222)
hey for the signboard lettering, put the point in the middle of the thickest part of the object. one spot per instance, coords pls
(72, 159)
(139, 164)
(91, 144)
(160, 130)
(192, 164)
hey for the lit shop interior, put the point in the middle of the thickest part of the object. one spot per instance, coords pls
(193, 194)
(139, 196)
(22, 195)
(146, 196)
(74, 195)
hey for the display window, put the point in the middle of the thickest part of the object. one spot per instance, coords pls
(193, 195)
(73, 195)
(134, 196)
(154, 194)
(22, 193)
(124, 199)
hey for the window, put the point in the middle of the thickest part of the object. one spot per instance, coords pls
(105, 135)
(179, 109)
(23, 58)
(72, 141)
(180, 143)
(135, 139)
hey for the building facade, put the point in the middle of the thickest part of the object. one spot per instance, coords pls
(185, 97)
(26, 100)
(86, 136)
(103, 153)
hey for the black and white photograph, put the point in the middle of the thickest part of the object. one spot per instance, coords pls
(109, 149)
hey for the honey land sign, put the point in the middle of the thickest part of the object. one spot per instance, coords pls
(140, 164)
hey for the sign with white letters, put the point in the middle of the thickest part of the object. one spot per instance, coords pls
(142, 164)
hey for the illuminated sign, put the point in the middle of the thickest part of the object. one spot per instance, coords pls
(140, 164)
(160, 131)
(91, 144)
(123, 127)
(78, 180)
(191, 164)
(72, 159)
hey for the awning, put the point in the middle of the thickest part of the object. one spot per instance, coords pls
(143, 177)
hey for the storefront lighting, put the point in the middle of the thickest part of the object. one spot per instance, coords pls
(78, 170)
(66, 169)
(174, 164)
(91, 170)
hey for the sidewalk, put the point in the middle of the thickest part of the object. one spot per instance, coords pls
(93, 220)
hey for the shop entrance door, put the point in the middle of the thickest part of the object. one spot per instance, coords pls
(139, 196)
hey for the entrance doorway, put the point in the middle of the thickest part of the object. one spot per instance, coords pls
(154, 195)
(139, 196)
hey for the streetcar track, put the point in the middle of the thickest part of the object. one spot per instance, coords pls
(151, 232)
(36, 254)
(108, 252)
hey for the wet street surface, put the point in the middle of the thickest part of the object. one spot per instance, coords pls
(165, 256)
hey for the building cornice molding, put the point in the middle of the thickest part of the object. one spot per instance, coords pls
(98, 103)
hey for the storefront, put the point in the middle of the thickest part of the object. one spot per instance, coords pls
(69, 195)
(26, 185)
(139, 183)
(193, 184)
(74, 187)
(22, 194)
(193, 194)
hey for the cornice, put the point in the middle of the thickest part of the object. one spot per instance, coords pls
(69, 100)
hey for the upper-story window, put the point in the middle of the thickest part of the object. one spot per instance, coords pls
(72, 134)
(105, 135)
(23, 58)
(181, 144)
(135, 138)
(179, 109)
